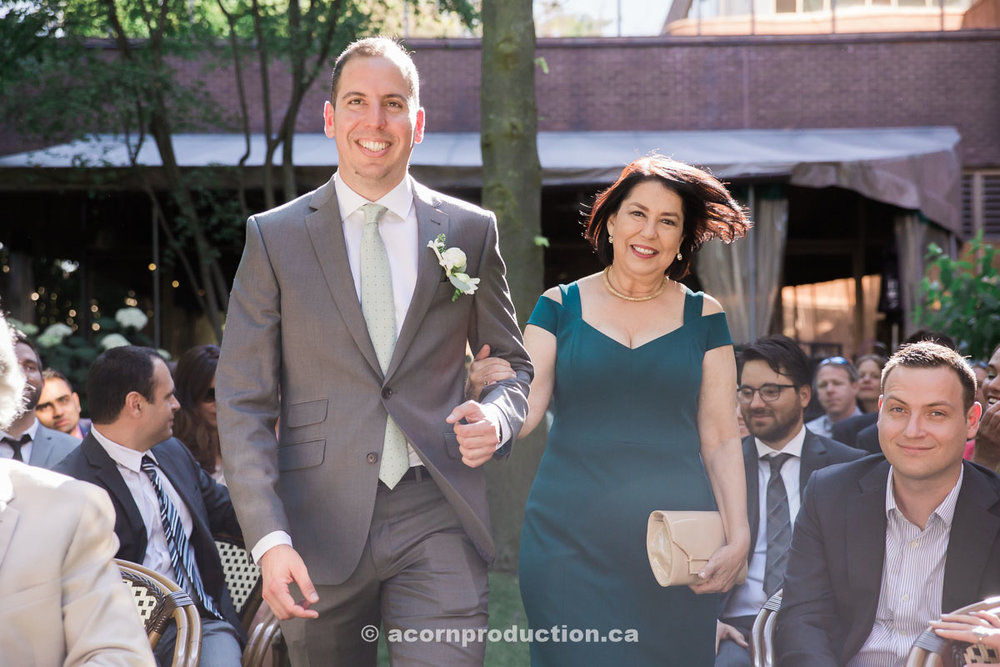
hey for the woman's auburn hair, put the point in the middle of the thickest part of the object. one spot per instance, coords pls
(709, 210)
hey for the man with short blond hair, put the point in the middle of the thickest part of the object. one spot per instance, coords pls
(884, 545)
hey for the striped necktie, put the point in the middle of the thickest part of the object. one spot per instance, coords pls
(380, 315)
(779, 526)
(180, 554)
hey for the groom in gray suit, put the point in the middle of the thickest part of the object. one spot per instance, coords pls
(350, 317)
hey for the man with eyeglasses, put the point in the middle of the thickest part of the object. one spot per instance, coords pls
(779, 455)
(837, 389)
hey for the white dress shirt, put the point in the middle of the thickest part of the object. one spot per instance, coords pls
(129, 462)
(7, 452)
(912, 580)
(749, 597)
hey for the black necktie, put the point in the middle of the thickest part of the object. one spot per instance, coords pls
(779, 527)
(17, 444)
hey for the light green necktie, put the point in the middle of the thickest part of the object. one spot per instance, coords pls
(380, 315)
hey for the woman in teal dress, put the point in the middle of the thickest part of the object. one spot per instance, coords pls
(642, 380)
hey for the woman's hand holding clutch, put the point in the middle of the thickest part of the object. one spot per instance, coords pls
(723, 569)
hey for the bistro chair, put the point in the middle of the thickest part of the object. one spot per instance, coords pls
(160, 601)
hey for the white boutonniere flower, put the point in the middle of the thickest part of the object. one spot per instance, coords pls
(453, 261)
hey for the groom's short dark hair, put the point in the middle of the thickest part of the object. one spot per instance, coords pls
(377, 47)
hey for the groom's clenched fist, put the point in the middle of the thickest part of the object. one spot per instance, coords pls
(479, 435)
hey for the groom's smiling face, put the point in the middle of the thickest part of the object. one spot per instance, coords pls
(375, 120)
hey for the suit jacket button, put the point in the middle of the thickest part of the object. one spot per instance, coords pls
(372, 457)
(386, 392)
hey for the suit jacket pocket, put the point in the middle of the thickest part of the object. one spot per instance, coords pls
(306, 413)
(451, 446)
(301, 455)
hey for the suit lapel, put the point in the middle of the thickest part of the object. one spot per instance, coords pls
(974, 530)
(181, 483)
(106, 471)
(431, 221)
(866, 542)
(41, 449)
(814, 457)
(750, 465)
(326, 231)
(8, 513)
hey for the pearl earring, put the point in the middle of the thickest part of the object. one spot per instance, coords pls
(611, 239)
(679, 256)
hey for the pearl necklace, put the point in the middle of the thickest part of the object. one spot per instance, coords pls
(626, 297)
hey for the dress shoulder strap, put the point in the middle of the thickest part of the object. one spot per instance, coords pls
(571, 298)
(694, 302)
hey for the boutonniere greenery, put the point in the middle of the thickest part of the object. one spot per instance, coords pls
(453, 260)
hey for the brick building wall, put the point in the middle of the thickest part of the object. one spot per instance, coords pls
(698, 83)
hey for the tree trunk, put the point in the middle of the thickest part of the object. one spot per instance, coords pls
(512, 184)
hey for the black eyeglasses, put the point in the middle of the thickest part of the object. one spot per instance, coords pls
(768, 392)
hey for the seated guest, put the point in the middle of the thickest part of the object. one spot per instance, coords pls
(25, 439)
(195, 423)
(836, 385)
(986, 451)
(59, 406)
(63, 602)
(149, 475)
(884, 544)
(866, 437)
(869, 381)
(779, 456)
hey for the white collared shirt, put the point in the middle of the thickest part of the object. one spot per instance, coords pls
(912, 580)
(7, 452)
(748, 598)
(128, 462)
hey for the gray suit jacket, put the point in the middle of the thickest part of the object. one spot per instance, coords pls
(295, 326)
(50, 447)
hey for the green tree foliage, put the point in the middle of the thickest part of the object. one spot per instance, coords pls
(961, 297)
(86, 67)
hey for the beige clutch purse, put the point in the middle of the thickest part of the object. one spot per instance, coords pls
(680, 543)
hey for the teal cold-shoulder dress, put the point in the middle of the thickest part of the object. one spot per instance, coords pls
(624, 441)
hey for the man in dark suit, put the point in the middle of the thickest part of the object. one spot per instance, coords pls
(883, 545)
(26, 439)
(149, 476)
(773, 393)
(350, 315)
